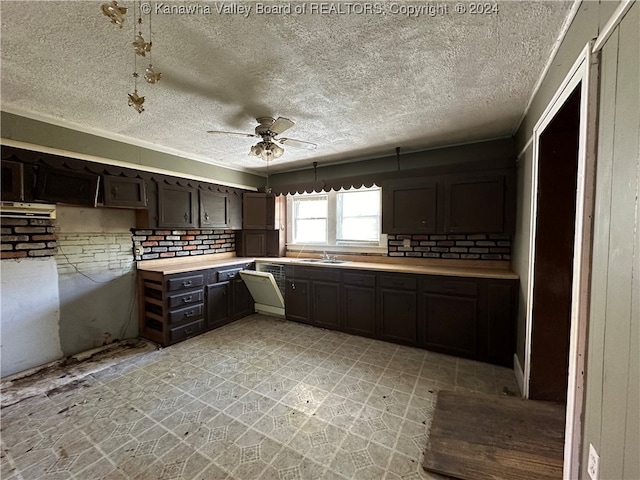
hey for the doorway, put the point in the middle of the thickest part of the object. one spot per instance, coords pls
(554, 244)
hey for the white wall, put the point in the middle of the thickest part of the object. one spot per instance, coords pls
(30, 313)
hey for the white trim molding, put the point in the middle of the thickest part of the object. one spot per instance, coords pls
(611, 24)
(583, 75)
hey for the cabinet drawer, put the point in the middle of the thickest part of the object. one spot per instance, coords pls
(359, 279)
(185, 331)
(226, 275)
(402, 283)
(189, 313)
(322, 273)
(183, 283)
(449, 285)
(185, 299)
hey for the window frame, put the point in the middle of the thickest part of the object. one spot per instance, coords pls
(332, 218)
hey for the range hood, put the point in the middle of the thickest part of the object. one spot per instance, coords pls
(27, 210)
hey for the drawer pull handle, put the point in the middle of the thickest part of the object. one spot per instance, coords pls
(398, 284)
(189, 313)
(187, 283)
(187, 331)
(187, 299)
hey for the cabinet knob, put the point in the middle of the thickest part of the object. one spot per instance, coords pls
(186, 217)
(424, 222)
(206, 216)
(114, 192)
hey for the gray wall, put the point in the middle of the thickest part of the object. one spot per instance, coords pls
(500, 149)
(24, 129)
(612, 419)
(612, 402)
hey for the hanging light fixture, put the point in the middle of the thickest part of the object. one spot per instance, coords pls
(115, 12)
(141, 48)
(266, 150)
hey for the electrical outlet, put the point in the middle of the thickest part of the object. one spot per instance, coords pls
(406, 242)
(594, 463)
(138, 251)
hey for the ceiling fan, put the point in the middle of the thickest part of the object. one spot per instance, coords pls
(268, 130)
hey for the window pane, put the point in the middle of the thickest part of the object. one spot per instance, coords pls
(358, 216)
(310, 231)
(311, 207)
(360, 203)
(360, 228)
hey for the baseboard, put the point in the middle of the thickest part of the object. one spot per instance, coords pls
(519, 373)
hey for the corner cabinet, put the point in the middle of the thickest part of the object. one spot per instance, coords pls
(263, 211)
(178, 306)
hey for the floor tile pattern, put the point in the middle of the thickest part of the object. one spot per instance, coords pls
(261, 398)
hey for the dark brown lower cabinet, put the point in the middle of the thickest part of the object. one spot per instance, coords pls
(326, 304)
(297, 296)
(218, 304)
(175, 307)
(450, 324)
(466, 317)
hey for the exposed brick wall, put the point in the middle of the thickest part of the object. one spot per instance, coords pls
(94, 252)
(181, 243)
(22, 238)
(467, 247)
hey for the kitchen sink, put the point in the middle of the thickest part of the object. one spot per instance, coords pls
(321, 260)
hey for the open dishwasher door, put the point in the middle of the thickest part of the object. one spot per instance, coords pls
(265, 292)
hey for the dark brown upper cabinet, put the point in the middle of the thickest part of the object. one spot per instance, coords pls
(474, 204)
(67, 186)
(410, 206)
(458, 203)
(214, 210)
(263, 211)
(177, 206)
(124, 192)
(12, 181)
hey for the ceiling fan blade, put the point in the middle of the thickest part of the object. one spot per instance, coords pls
(280, 125)
(238, 134)
(297, 143)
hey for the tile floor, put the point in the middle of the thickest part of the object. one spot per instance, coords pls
(261, 398)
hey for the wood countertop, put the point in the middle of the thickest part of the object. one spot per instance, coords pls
(424, 269)
(382, 264)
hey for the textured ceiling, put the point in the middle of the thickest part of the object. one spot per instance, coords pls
(356, 84)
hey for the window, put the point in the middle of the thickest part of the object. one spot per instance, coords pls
(347, 219)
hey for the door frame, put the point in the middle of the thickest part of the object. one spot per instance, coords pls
(583, 74)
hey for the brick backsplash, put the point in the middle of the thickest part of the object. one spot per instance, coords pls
(182, 243)
(467, 247)
(22, 238)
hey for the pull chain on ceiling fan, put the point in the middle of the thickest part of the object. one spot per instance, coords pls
(268, 130)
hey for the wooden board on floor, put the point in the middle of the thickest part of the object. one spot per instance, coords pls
(484, 437)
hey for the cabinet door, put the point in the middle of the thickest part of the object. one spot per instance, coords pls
(218, 303)
(360, 310)
(254, 211)
(474, 204)
(242, 300)
(124, 192)
(177, 206)
(253, 243)
(12, 181)
(326, 304)
(498, 341)
(67, 186)
(235, 211)
(214, 210)
(398, 315)
(410, 208)
(263, 211)
(297, 300)
(451, 323)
